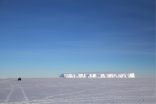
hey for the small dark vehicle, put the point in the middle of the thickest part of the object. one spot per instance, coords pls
(19, 79)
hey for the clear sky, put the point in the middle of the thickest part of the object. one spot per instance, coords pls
(44, 38)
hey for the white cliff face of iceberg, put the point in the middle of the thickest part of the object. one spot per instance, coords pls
(99, 75)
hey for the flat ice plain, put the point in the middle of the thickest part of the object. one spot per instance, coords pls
(77, 91)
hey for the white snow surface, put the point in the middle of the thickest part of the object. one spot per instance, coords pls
(77, 91)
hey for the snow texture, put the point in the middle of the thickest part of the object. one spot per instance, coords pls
(77, 91)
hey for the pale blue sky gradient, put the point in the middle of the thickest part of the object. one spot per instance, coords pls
(44, 38)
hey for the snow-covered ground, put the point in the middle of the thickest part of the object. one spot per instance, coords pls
(77, 91)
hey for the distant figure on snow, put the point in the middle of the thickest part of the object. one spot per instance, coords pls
(19, 79)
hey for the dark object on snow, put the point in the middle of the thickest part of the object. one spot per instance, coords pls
(19, 79)
(62, 76)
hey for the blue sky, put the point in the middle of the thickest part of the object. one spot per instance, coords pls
(44, 38)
